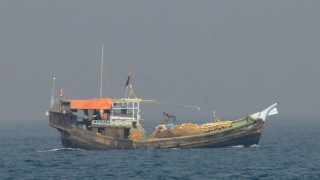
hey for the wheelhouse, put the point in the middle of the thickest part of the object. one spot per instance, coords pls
(104, 111)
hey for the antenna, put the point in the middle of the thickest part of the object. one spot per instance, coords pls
(101, 70)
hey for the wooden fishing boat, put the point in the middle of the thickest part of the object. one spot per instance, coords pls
(113, 132)
(105, 123)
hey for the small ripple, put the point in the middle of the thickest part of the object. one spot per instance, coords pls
(34, 163)
(254, 146)
(241, 146)
(237, 146)
(60, 149)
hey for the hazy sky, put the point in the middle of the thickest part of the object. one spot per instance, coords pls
(233, 56)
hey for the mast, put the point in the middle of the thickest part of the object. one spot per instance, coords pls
(52, 96)
(101, 75)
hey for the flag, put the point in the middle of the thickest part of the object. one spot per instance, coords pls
(272, 110)
(129, 75)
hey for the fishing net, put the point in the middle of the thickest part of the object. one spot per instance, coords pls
(188, 129)
(182, 130)
(138, 133)
(135, 135)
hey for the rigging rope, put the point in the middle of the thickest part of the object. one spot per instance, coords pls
(173, 104)
(79, 82)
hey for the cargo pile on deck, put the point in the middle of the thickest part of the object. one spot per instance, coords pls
(208, 127)
(187, 129)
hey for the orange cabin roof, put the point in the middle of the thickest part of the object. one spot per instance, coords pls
(97, 103)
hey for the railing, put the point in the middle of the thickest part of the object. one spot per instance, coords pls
(100, 122)
(112, 122)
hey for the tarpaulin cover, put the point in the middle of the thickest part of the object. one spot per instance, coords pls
(98, 103)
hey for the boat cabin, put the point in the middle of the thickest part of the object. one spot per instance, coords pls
(112, 117)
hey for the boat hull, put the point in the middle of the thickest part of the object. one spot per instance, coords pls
(73, 136)
(245, 135)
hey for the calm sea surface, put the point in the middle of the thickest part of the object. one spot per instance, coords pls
(289, 149)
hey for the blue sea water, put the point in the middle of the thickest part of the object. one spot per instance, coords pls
(289, 149)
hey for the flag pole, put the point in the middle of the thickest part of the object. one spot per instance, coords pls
(101, 75)
(127, 83)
